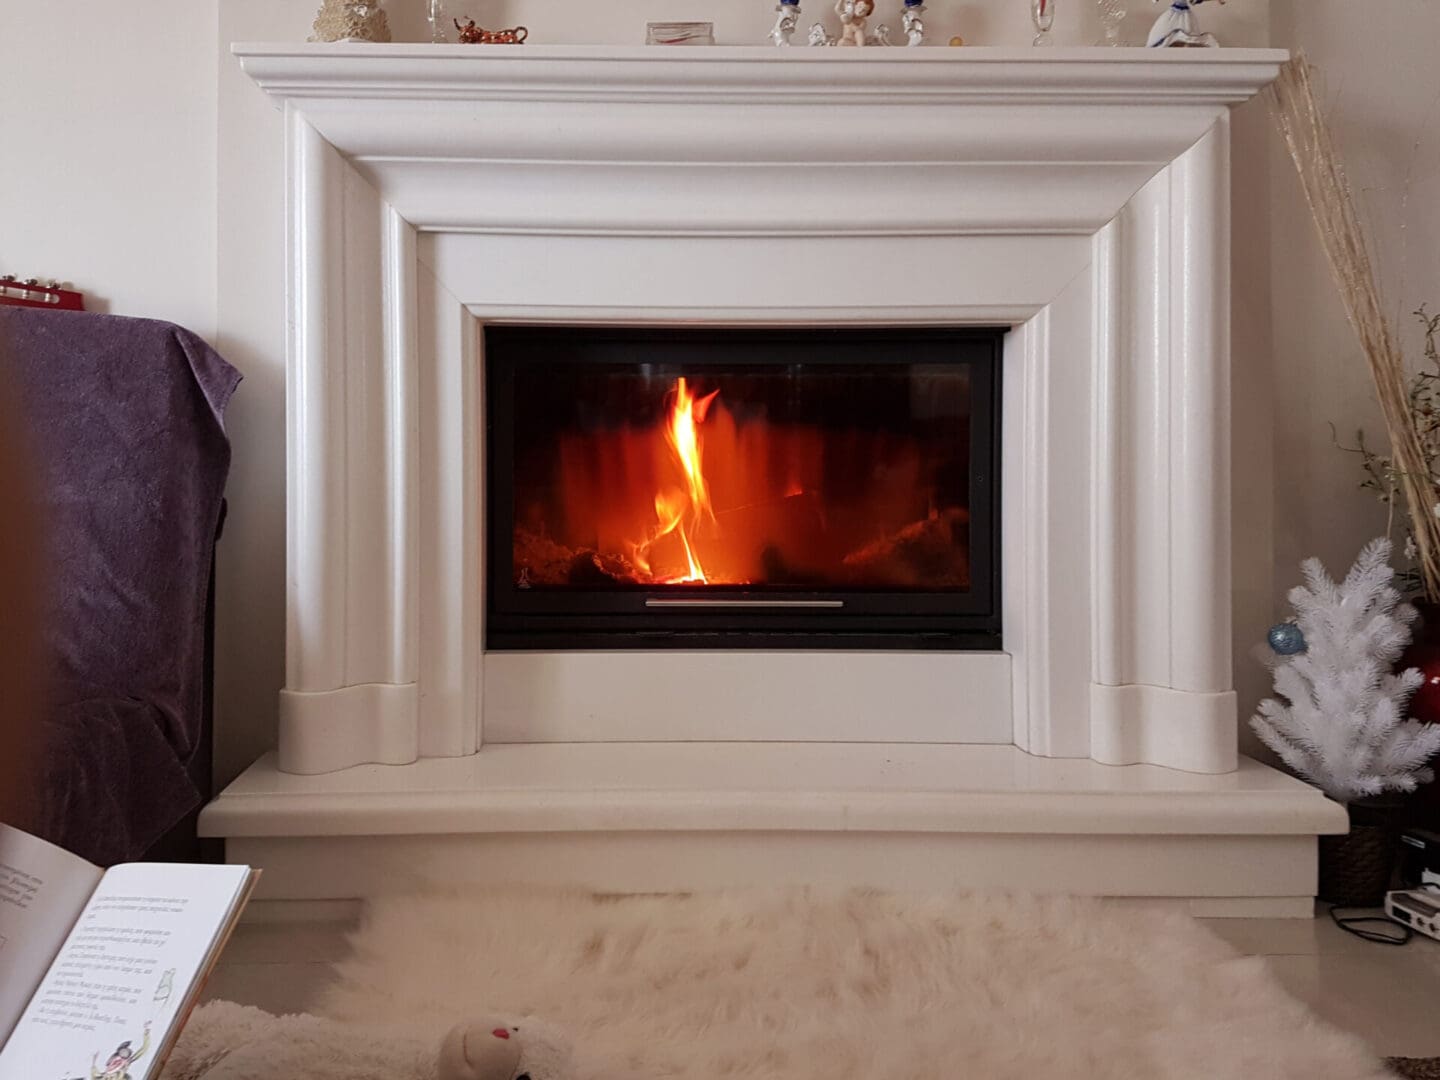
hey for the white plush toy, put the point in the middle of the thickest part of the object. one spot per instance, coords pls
(523, 1050)
(224, 1041)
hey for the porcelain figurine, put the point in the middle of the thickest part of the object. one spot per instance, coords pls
(786, 20)
(1176, 27)
(911, 22)
(854, 14)
(819, 35)
(879, 36)
(470, 34)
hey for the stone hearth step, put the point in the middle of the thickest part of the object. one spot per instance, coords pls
(640, 816)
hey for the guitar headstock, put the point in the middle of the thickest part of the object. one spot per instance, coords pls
(32, 293)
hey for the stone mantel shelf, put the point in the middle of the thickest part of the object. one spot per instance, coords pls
(498, 139)
(728, 74)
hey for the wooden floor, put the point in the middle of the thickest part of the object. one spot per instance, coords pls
(1387, 995)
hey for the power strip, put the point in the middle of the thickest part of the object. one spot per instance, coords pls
(1418, 909)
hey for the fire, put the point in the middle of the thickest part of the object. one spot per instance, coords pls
(682, 511)
(754, 486)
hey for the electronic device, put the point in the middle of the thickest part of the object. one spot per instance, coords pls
(1420, 857)
(1418, 909)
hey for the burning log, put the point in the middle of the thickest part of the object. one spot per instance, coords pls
(600, 568)
(922, 554)
(539, 560)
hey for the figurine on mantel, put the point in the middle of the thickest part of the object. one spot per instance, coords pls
(819, 35)
(911, 22)
(854, 14)
(1177, 28)
(785, 22)
(351, 20)
(470, 34)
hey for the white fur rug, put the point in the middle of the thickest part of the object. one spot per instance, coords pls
(803, 986)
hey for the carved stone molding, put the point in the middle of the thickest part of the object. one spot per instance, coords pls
(1079, 196)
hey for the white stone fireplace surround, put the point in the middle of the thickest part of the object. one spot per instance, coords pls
(1079, 196)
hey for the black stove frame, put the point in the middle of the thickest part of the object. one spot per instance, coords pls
(710, 616)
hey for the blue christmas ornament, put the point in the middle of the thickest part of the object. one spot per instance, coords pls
(1286, 639)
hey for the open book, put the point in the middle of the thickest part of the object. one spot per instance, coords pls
(99, 969)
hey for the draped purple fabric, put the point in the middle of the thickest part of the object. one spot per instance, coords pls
(125, 423)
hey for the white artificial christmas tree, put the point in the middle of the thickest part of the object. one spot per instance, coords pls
(1341, 720)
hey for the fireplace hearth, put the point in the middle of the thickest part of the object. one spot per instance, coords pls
(742, 488)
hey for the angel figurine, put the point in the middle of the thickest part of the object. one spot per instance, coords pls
(1176, 28)
(785, 22)
(853, 15)
(911, 23)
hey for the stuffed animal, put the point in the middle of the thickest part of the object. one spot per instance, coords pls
(224, 1041)
(525, 1050)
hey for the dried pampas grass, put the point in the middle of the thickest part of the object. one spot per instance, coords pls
(1332, 204)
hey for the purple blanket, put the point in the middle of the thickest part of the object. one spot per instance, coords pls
(126, 429)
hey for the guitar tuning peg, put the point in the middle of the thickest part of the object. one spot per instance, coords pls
(31, 281)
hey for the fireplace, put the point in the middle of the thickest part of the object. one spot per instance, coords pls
(473, 235)
(479, 249)
(733, 488)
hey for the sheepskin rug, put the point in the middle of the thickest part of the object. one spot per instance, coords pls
(225, 1041)
(855, 986)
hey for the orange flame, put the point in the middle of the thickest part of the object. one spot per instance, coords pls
(680, 511)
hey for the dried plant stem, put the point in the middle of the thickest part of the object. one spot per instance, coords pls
(1332, 204)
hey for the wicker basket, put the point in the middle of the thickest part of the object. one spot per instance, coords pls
(1356, 868)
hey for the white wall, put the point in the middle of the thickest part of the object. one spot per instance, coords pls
(107, 153)
(122, 194)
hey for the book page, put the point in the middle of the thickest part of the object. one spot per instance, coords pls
(120, 982)
(42, 889)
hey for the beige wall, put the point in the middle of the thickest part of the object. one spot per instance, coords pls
(126, 188)
(1380, 79)
(107, 153)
